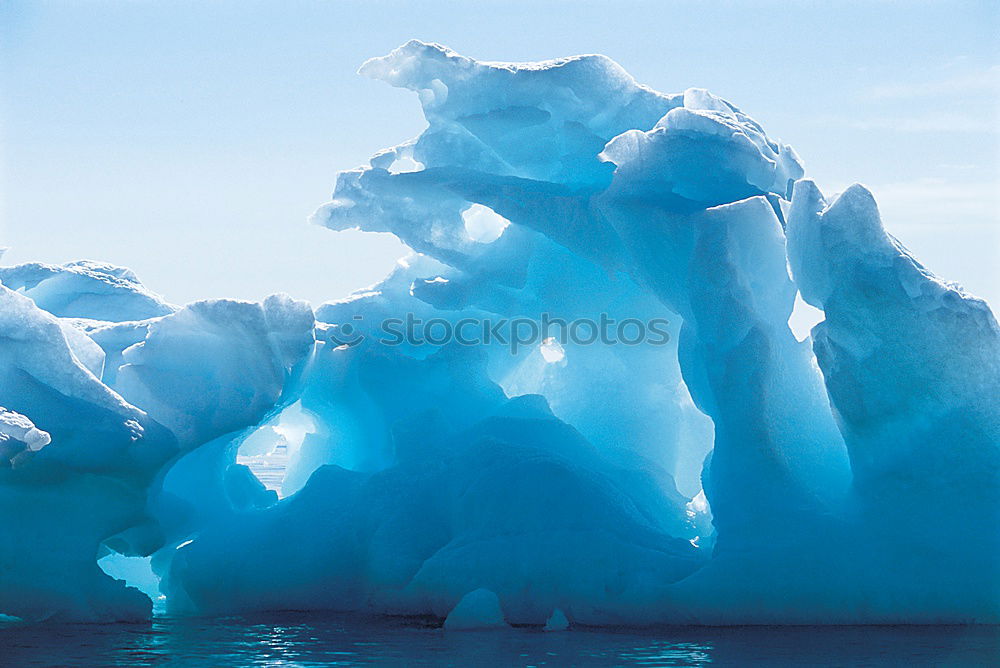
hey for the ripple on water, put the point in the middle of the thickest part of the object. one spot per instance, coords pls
(295, 639)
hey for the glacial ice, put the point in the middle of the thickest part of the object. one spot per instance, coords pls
(18, 434)
(478, 610)
(240, 353)
(85, 289)
(233, 456)
(557, 621)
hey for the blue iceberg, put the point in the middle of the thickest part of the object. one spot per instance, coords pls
(704, 467)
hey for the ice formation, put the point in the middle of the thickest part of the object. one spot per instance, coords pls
(478, 610)
(557, 621)
(86, 289)
(267, 456)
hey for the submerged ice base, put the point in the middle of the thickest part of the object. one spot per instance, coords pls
(234, 456)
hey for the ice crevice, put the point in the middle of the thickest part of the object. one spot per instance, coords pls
(815, 440)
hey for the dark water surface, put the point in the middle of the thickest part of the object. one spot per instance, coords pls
(293, 639)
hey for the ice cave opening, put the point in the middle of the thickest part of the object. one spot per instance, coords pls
(268, 450)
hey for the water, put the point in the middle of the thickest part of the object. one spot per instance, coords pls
(289, 639)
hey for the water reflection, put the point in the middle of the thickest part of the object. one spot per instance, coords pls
(289, 639)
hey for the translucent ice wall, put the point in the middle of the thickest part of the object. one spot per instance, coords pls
(275, 456)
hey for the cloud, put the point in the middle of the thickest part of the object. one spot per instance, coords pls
(938, 121)
(984, 81)
(931, 122)
(967, 103)
(938, 200)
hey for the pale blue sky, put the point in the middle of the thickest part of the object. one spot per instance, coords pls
(190, 140)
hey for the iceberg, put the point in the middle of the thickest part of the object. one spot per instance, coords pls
(86, 289)
(18, 434)
(577, 399)
(78, 459)
(476, 611)
(216, 366)
(557, 621)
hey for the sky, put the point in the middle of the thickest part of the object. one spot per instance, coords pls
(191, 140)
